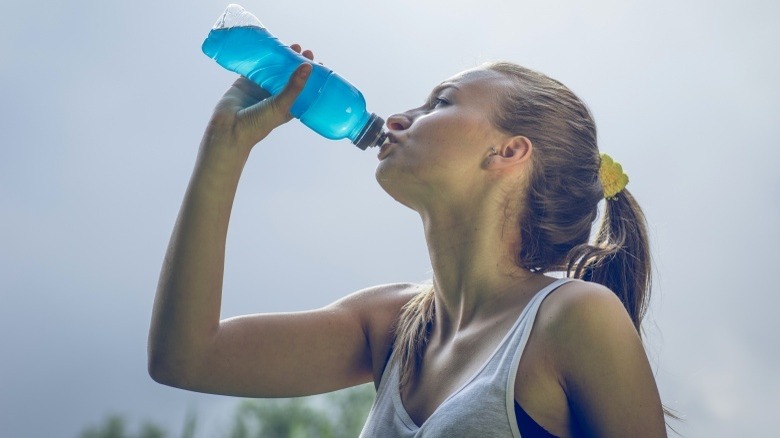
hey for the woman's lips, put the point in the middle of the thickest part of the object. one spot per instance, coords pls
(384, 150)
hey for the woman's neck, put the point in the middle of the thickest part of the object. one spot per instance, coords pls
(473, 259)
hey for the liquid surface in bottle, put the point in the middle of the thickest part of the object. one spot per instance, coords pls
(328, 104)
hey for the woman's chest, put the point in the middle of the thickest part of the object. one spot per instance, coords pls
(443, 373)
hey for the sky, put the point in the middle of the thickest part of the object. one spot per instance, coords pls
(103, 104)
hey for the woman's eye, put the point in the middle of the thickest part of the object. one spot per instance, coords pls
(436, 102)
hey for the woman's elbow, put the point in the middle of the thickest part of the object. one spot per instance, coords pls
(158, 369)
(167, 372)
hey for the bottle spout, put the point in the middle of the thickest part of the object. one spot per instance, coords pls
(373, 133)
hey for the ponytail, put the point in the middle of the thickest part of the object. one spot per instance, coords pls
(620, 257)
(620, 260)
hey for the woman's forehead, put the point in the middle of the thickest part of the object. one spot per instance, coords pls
(477, 80)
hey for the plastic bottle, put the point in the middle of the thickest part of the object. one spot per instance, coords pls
(328, 104)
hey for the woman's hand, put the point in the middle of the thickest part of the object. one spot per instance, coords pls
(247, 113)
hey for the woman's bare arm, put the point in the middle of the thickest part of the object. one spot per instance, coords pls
(295, 354)
(257, 355)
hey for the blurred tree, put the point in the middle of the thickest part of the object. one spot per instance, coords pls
(352, 406)
(339, 414)
(114, 427)
(151, 430)
(283, 418)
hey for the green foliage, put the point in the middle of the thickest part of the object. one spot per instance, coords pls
(114, 427)
(293, 418)
(353, 406)
(339, 414)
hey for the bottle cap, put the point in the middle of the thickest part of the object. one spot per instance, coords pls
(372, 134)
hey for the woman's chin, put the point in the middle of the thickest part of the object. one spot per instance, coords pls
(384, 176)
(390, 181)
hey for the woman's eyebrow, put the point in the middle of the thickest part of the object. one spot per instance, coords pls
(441, 87)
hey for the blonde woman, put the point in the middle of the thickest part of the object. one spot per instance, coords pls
(502, 165)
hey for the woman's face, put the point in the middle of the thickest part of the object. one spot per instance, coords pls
(437, 150)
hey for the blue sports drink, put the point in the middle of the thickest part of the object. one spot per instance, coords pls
(328, 104)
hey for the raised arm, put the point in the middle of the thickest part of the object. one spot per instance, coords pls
(256, 355)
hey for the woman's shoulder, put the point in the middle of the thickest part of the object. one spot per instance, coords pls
(583, 317)
(599, 359)
(579, 303)
(376, 300)
(378, 308)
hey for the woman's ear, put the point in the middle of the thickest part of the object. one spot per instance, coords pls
(512, 152)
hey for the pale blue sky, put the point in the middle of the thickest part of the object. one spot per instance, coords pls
(102, 105)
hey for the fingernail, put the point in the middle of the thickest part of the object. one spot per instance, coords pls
(304, 71)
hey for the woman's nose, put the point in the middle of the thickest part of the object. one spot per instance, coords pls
(398, 122)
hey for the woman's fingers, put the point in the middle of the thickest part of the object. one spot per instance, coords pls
(266, 115)
(283, 102)
(257, 111)
(308, 54)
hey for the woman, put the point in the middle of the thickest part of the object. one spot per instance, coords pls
(501, 163)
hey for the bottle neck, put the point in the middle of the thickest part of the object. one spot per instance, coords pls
(372, 134)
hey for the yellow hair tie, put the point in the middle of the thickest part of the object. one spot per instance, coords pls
(612, 177)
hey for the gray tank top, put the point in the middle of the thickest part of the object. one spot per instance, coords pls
(483, 406)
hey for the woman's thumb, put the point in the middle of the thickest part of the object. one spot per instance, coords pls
(283, 102)
(285, 99)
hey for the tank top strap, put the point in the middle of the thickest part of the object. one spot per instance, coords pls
(517, 341)
(528, 315)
